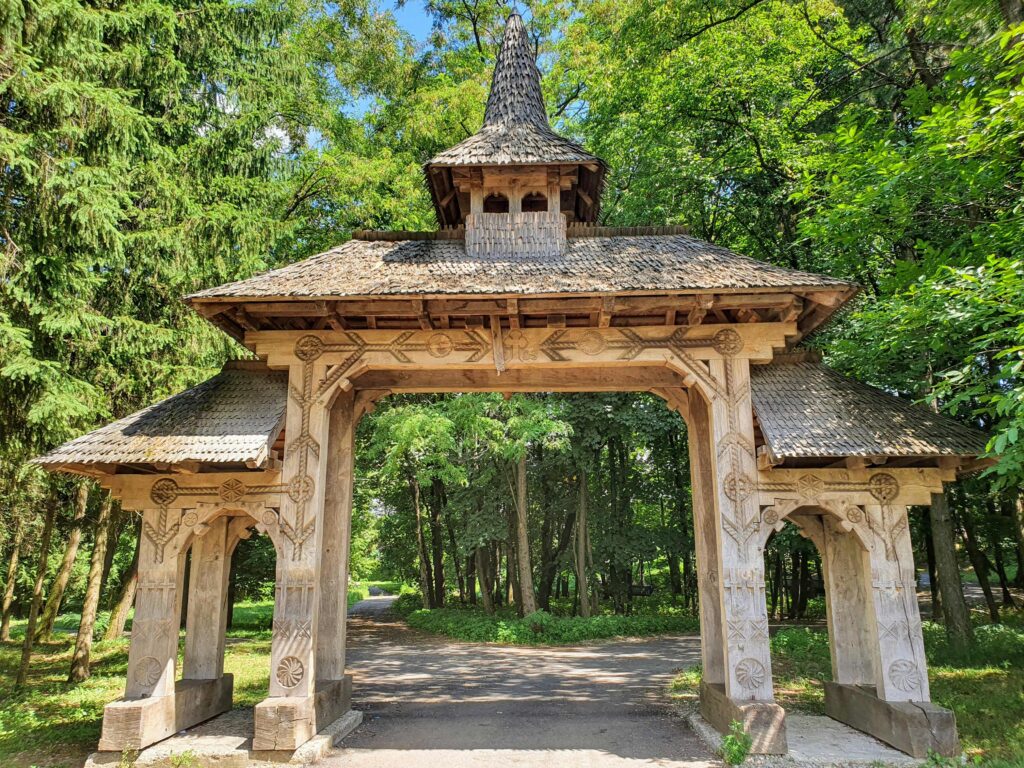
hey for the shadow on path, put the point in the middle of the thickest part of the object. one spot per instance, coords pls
(430, 701)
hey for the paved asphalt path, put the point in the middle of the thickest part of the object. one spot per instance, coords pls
(429, 701)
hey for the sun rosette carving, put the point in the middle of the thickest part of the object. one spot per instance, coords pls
(727, 342)
(592, 343)
(300, 489)
(309, 348)
(883, 487)
(855, 514)
(148, 671)
(440, 345)
(771, 516)
(189, 519)
(231, 490)
(269, 517)
(164, 491)
(290, 672)
(751, 674)
(904, 675)
(737, 486)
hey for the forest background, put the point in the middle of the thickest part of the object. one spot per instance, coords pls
(155, 147)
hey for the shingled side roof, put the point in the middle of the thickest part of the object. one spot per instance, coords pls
(645, 263)
(232, 418)
(806, 410)
(516, 129)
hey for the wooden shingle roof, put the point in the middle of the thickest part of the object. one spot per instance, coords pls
(645, 263)
(806, 410)
(231, 419)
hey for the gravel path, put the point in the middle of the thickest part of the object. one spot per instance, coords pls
(429, 701)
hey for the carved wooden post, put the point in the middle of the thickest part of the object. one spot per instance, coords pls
(296, 709)
(705, 529)
(844, 564)
(748, 694)
(900, 670)
(207, 618)
(337, 521)
(147, 712)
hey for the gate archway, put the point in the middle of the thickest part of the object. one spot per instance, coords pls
(531, 300)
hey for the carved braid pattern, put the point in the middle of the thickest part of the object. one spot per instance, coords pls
(741, 521)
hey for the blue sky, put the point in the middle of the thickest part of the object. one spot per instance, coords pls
(412, 18)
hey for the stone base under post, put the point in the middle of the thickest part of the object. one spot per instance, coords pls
(285, 723)
(765, 721)
(137, 723)
(914, 727)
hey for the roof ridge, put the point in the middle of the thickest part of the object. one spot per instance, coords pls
(516, 95)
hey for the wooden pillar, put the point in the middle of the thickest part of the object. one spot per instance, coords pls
(900, 669)
(746, 693)
(298, 706)
(705, 529)
(334, 558)
(154, 636)
(845, 564)
(207, 618)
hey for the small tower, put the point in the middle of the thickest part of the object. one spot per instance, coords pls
(515, 184)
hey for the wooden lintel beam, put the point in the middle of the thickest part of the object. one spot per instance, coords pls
(632, 379)
(556, 321)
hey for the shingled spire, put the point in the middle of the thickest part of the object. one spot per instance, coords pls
(515, 133)
(515, 89)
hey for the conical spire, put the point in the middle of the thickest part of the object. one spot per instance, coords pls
(515, 90)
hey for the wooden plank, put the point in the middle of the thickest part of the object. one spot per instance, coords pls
(639, 379)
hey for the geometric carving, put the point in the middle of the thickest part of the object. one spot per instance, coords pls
(854, 514)
(898, 630)
(751, 674)
(162, 534)
(904, 676)
(300, 489)
(148, 671)
(269, 517)
(737, 486)
(727, 342)
(883, 487)
(770, 516)
(743, 630)
(440, 345)
(809, 486)
(232, 490)
(290, 672)
(309, 348)
(164, 491)
(189, 519)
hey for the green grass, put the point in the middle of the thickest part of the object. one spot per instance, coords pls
(540, 628)
(984, 687)
(53, 725)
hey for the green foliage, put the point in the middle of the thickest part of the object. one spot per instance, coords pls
(736, 744)
(541, 628)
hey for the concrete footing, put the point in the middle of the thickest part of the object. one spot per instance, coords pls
(137, 723)
(285, 723)
(765, 721)
(916, 728)
(226, 742)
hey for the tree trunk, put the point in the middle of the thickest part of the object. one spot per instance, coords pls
(94, 588)
(12, 576)
(60, 581)
(126, 595)
(1004, 583)
(980, 566)
(426, 584)
(483, 567)
(471, 579)
(37, 592)
(933, 581)
(437, 541)
(529, 601)
(582, 528)
(947, 571)
(1018, 529)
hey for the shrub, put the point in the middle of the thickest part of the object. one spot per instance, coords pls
(736, 744)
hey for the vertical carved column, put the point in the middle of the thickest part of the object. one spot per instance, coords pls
(207, 604)
(705, 529)
(334, 558)
(845, 565)
(154, 645)
(900, 667)
(745, 692)
(747, 655)
(288, 718)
